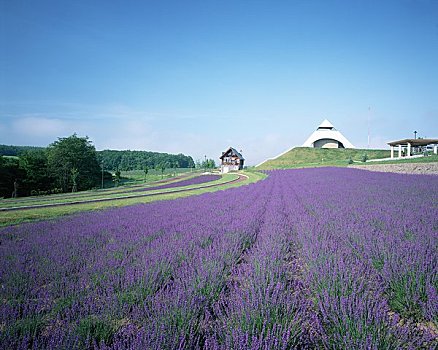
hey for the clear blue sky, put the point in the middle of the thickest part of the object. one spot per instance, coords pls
(198, 76)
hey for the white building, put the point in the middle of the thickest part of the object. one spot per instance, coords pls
(326, 136)
(413, 147)
(231, 160)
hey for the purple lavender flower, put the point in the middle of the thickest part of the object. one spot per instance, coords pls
(312, 258)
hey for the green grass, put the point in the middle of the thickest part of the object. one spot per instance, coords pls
(402, 294)
(92, 328)
(428, 159)
(302, 157)
(115, 192)
(137, 176)
(132, 180)
(25, 215)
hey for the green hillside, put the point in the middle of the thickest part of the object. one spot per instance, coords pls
(300, 157)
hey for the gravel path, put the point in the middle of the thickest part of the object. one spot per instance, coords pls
(406, 168)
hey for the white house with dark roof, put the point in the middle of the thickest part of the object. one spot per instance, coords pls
(326, 136)
(231, 160)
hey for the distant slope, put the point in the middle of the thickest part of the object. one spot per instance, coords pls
(300, 157)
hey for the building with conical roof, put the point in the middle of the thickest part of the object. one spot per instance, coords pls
(326, 136)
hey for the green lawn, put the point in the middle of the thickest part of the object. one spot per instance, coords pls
(88, 195)
(25, 215)
(428, 159)
(301, 157)
(138, 176)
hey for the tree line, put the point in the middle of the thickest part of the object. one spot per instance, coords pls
(71, 164)
(139, 160)
(118, 160)
(14, 151)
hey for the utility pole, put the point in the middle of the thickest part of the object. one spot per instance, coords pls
(102, 174)
(369, 112)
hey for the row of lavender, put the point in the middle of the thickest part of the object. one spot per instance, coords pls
(371, 251)
(163, 184)
(339, 265)
(143, 275)
(188, 182)
(318, 258)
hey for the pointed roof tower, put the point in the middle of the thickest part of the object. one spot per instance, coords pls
(326, 136)
(326, 125)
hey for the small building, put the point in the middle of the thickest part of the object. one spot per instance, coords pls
(412, 147)
(231, 160)
(326, 136)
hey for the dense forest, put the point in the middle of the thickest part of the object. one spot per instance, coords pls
(119, 160)
(72, 164)
(6, 150)
(138, 160)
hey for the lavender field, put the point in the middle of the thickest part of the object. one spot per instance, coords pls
(327, 258)
(192, 181)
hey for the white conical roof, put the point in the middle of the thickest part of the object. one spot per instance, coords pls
(327, 131)
(326, 125)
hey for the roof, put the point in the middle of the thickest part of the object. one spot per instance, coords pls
(233, 153)
(414, 142)
(326, 130)
(326, 125)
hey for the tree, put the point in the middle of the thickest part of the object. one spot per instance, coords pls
(145, 170)
(34, 163)
(162, 167)
(117, 177)
(174, 166)
(208, 164)
(74, 179)
(11, 176)
(70, 153)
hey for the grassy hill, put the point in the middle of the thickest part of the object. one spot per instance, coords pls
(301, 157)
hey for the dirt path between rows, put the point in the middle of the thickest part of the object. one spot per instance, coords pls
(239, 179)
